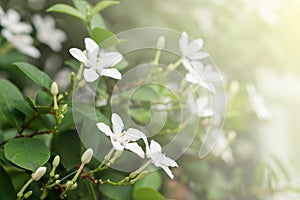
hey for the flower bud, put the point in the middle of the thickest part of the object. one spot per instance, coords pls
(87, 156)
(37, 175)
(54, 89)
(71, 185)
(161, 42)
(56, 160)
(28, 194)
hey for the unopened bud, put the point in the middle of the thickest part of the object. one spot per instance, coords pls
(87, 156)
(64, 109)
(54, 89)
(139, 177)
(161, 42)
(56, 176)
(57, 182)
(71, 186)
(72, 78)
(56, 161)
(28, 194)
(37, 175)
(231, 136)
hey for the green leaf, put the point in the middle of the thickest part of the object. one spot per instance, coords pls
(9, 95)
(147, 194)
(115, 192)
(27, 153)
(66, 9)
(100, 35)
(89, 112)
(7, 191)
(32, 72)
(102, 5)
(152, 180)
(81, 6)
(145, 93)
(43, 99)
(73, 64)
(67, 145)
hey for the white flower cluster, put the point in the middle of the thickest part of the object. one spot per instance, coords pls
(126, 139)
(18, 33)
(198, 74)
(97, 62)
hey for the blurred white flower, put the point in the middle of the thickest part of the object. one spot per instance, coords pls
(123, 139)
(17, 32)
(97, 62)
(192, 50)
(22, 42)
(47, 33)
(159, 159)
(217, 141)
(257, 102)
(199, 106)
(203, 76)
(11, 22)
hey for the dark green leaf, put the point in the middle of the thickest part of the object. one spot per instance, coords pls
(115, 192)
(6, 188)
(147, 194)
(66, 9)
(27, 153)
(67, 145)
(43, 99)
(9, 95)
(102, 5)
(152, 180)
(32, 72)
(74, 64)
(89, 112)
(100, 35)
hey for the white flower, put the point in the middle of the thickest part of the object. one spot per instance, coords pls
(97, 62)
(47, 33)
(123, 139)
(258, 104)
(219, 144)
(192, 50)
(11, 22)
(17, 33)
(203, 76)
(37, 175)
(159, 159)
(200, 106)
(22, 42)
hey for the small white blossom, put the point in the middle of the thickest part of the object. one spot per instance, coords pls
(123, 139)
(192, 50)
(17, 33)
(97, 62)
(203, 76)
(22, 42)
(199, 106)
(220, 145)
(37, 175)
(159, 159)
(47, 33)
(11, 22)
(258, 104)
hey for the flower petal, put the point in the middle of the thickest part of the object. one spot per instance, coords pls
(110, 59)
(78, 54)
(117, 123)
(168, 171)
(133, 134)
(90, 74)
(154, 147)
(116, 144)
(113, 73)
(190, 78)
(90, 45)
(183, 43)
(135, 148)
(198, 55)
(195, 46)
(104, 128)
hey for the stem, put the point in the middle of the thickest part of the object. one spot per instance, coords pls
(21, 192)
(79, 73)
(77, 173)
(139, 170)
(102, 164)
(157, 56)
